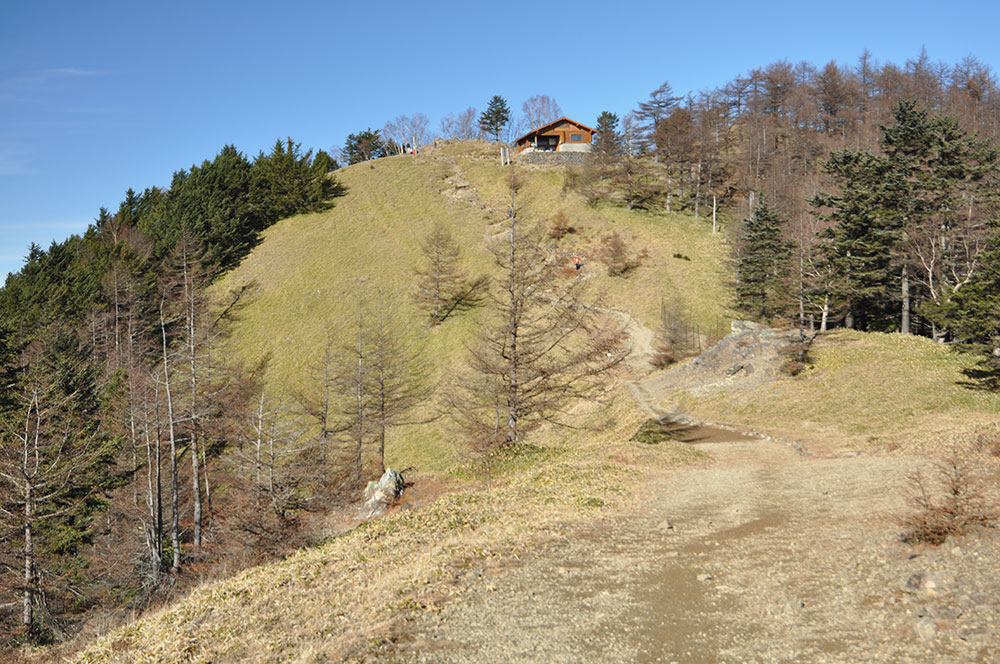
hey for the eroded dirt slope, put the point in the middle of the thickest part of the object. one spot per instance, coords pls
(771, 553)
(765, 556)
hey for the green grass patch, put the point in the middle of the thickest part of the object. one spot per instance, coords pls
(309, 270)
(652, 432)
(888, 390)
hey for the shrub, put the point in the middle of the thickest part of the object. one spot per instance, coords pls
(797, 355)
(652, 432)
(957, 507)
(560, 226)
(617, 256)
(676, 337)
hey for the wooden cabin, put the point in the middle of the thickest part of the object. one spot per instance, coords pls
(563, 135)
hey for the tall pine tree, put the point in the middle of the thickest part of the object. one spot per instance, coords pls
(608, 142)
(495, 118)
(763, 263)
(861, 241)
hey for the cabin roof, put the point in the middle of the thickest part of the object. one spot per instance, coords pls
(554, 123)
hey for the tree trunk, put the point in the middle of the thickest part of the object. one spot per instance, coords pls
(192, 331)
(802, 287)
(260, 438)
(324, 435)
(152, 493)
(697, 191)
(29, 559)
(175, 540)
(513, 323)
(904, 319)
(360, 395)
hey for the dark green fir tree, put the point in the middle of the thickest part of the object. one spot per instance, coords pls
(860, 244)
(495, 118)
(607, 145)
(763, 263)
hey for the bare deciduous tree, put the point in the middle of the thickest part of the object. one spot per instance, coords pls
(442, 287)
(409, 130)
(543, 346)
(378, 382)
(398, 377)
(53, 458)
(463, 126)
(538, 110)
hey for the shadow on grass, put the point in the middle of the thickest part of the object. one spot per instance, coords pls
(985, 376)
(653, 432)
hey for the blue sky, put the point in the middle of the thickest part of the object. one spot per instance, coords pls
(96, 97)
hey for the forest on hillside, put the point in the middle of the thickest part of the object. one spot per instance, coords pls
(860, 195)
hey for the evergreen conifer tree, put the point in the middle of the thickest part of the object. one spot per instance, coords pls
(608, 142)
(56, 463)
(860, 244)
(364, 145)
(763, 263)
(495, 118)
(323, 163)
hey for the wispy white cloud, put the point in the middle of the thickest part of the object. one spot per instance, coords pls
(63, 72)
(15, 162)
(33, 77)
(51, 99)
(94, 110)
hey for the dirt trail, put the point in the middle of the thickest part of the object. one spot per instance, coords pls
(763, 555)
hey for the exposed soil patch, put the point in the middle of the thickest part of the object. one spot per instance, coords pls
(765, 556)
(654, 431)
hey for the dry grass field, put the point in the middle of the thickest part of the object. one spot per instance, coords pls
(309, 271)
(349, 597)
(866, 390)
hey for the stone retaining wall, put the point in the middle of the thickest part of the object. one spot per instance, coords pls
(543, 158)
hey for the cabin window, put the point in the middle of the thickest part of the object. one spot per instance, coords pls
(576, 138)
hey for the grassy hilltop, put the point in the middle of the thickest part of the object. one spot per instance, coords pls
(309, 270)
(342, 598)
(346, 598)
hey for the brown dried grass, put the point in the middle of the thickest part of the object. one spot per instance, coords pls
(950, 503)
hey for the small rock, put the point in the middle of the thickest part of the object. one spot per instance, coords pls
(792, 607)
(957, 551)
(925, 628)
(914, 583)
(944, 612)
(975, 635)
(704, 577)
(666, 525)
(672, 554)
(928, 584)
(936, 584)
(980, 599)
(383, 493)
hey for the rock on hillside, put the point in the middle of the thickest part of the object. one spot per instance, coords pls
(751, 354)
